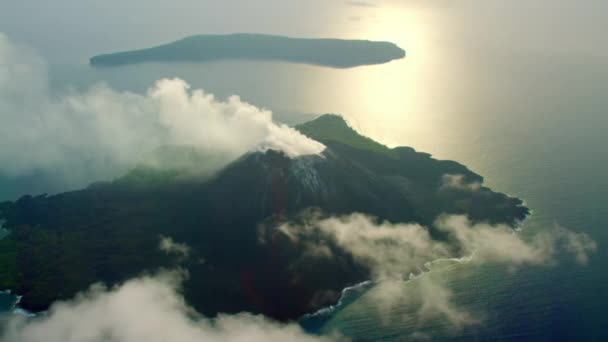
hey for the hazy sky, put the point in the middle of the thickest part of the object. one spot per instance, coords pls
(75, 29)
(470, 65)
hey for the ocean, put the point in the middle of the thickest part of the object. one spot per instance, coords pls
(533, 129)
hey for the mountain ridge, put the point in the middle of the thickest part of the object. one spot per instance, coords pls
(109, 232)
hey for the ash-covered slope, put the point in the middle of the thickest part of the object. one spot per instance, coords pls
(109, 232)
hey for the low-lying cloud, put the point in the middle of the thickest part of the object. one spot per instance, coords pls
(402, 258)
(425, 296)
(458, 182)
(359, 3)
(167, 245)
(148, 308)
(397, 252)
(389, 250)
(500, 243)
(100, 133)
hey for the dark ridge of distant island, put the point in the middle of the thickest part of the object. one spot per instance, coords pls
(336, 53)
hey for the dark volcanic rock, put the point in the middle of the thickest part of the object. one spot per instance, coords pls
(110, 231)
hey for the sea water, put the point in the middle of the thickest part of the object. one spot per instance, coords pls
(534, 130)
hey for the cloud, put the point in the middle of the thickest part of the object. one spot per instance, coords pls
(169, 246)
(358, 3)
(403, 259)
(426, 296)
(395, 253)
(578, 244)
(500, 243)
(396, 250)
(148, 308)
(389, 250)
(458, 182)
(100, 133)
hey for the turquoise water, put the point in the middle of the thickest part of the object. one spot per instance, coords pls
(7, 302)
(550, 152)
(532, 129)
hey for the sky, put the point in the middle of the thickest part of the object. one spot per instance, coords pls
(72, 30)
(464, 57)
(102, 133)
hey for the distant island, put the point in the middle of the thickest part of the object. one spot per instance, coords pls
(336, 53)
(61, 244)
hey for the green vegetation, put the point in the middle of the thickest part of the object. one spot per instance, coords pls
(143, 176)
(110, 232)
(327, 52)
(331, 127)
(8, 263)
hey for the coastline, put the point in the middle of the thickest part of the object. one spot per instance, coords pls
(313, 322)
(14, 308)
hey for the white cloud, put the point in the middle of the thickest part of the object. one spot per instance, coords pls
(169, 246)
(500, 243)
(578, 244)
(145, 309)
(388, 249)
(358, 3)
(398, 252)
(101, 133)
(459, 182)
(150, 308)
